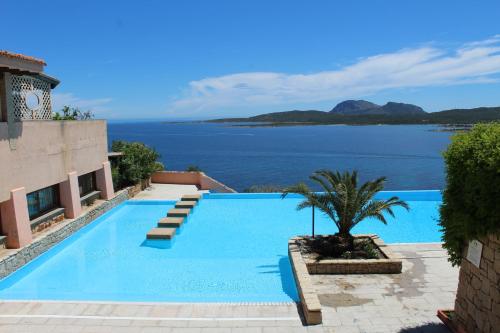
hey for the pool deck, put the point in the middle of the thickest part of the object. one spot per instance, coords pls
(405, 302)
(167, 192)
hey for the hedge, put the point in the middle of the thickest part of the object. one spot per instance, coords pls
(471, 199)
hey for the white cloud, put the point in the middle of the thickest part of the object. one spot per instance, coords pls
(98, 105)
(476, 62)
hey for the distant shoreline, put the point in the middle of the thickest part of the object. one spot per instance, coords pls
(451, 127)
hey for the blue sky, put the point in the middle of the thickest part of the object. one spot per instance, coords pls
(206, 59)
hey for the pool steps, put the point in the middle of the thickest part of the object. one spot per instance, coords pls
(191, 197)
(185, 204)
(178, 212)
(167, 226)
(161, 233)
(170, 222)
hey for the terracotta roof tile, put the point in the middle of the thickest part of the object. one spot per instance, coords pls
(22, 57)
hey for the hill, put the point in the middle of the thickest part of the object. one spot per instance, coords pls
(364, 112)
(361, 107)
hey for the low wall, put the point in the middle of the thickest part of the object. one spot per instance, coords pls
(391, 264)
(24, 255)
(309, 301)
(199, 179)
(135, 189)
(477, 305)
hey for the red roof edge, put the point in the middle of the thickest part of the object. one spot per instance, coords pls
(22, 57)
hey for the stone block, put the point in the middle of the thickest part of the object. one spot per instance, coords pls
(191, 197)
(488, 253)
(161, 233)
(477, 304)
(178, 212)
(171, 222)
(185, 204)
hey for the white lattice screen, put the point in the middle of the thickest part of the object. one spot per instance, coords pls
(31, 98)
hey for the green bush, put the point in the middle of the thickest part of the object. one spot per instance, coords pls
(193, 168)
(471, 200)
(69, 113)
(267, 188)
(138, 162)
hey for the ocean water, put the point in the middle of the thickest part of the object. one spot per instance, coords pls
(410, 156)
(233, 248)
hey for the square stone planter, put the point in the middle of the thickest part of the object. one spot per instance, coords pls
(303, 266)
(389, 264)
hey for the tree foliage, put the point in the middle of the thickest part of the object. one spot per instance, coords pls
(138, 162)
(193, 168)
(343, 201)
(265, 188)
(70, 113)
(471, 200)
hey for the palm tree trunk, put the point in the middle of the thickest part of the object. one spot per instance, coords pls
(346, 239)
(312, 221)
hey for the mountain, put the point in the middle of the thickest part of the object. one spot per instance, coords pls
(401, 109)
(360, 107)
(352, 107)
(363, 112)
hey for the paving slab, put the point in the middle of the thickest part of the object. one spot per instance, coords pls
(191, 197)
(170, 222)
(178, 212)
(161, 233)
(167, 192)
(185, 204)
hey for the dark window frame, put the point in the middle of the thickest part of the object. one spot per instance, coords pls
(87, 183)
(33, 199)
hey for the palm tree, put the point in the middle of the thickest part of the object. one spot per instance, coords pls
(344, 202)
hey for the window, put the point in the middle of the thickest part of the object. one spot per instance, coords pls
(86, 183)
(42, 201)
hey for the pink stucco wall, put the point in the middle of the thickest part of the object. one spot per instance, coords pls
(199, 179)
(15, 219)
(70, 196)
(104, 181)
(46, 151)
(176, 177)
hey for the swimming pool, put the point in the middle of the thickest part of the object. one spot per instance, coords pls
(233, 248)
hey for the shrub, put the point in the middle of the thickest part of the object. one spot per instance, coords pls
(471, 206)
(193, 168)
(269, 188)
(69, 113)
(138, 162)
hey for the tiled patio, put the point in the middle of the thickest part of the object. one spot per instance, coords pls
(166, 192)
(389, 303)
(351, 303)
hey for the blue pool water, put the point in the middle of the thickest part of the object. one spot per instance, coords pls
(233, 248)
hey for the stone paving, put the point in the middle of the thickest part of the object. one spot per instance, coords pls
(390, 303)
(166, 192)
(405, 303)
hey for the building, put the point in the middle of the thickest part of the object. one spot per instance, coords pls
(48, 169)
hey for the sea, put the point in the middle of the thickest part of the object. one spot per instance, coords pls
(409, 156)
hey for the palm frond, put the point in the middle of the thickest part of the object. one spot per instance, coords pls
(343, 201)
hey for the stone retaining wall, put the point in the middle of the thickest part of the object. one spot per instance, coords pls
(309, 300)
(135, 189)
(22, 256)
(477, 305)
